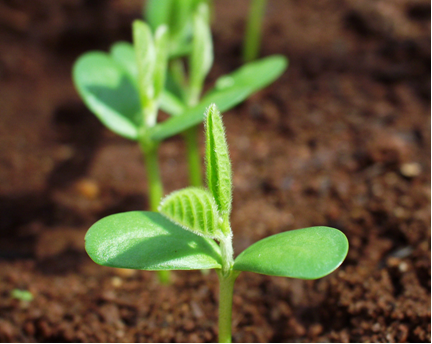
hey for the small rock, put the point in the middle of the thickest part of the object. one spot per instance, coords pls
(87, 188)
(410, 170)
(116, 281)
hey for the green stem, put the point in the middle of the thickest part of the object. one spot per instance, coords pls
(253, 30)
(226, 289)
(193, 156)
(155, 189)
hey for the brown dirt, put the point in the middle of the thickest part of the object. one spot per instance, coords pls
(342, 139)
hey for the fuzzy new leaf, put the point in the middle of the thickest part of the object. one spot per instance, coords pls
(307, 253)
(149, 241)
(218, 162)
(108, 92)
(194, 209)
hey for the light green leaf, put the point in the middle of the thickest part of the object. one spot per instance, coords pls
(149, 241)
(194, 209)
(108, 92)
(158, 12)
(255, 75)
(201, 58)
(171, 104)
(218, 162)
(307, 253)
(145, 52)
(224, 100)
(124, 54)
(161, 45)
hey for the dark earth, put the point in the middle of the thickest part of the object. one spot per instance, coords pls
(342, 139)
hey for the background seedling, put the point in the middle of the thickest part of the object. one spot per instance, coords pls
(22, 295)
(192, 231)
(252, 40)
(189, 27)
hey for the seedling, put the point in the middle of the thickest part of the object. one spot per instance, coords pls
(189, 27)
(252, 40)
(192, 231)
(22, 295)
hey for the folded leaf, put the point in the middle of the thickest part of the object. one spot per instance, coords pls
(254, 76)
(194, 209)
(108, 92)
(201, 58)
(149, 241)
(218, 162)
(224, 100)
(307, 253)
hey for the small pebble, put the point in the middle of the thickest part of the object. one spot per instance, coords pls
(124, 272)
(87, 188)
(116, 281)
(410, 170)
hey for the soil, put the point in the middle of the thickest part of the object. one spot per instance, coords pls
(342, 139)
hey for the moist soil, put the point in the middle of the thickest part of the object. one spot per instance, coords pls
(342, 139)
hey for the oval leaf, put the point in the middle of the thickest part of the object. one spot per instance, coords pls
(194, 209)
(218, 162)
(108, 92)
(307, 253)
(148, 241)
(255, 75)
(224, 100)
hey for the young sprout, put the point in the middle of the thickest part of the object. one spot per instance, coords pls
(192, 231)
(252, 40)
(22, 295)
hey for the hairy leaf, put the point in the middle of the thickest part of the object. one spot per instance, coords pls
(307, 253)
(149, 241)
(194, 209)
(224, 100)
(108, 92)
(218, 162)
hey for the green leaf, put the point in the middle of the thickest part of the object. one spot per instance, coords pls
(194, 209)
(218, 162)
(149, 241)
(108, 92)
(224, 100)
(201, 58)
(161, 45)
(158, 12)
(124, 54)
(145, 52)
(171, 104)
(255, 75)
(307, 253)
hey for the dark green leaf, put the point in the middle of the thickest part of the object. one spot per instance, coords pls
(218, 162)
(224, 100)
(307, 253)
(149, 241)
(108, 92)
(193, 208)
